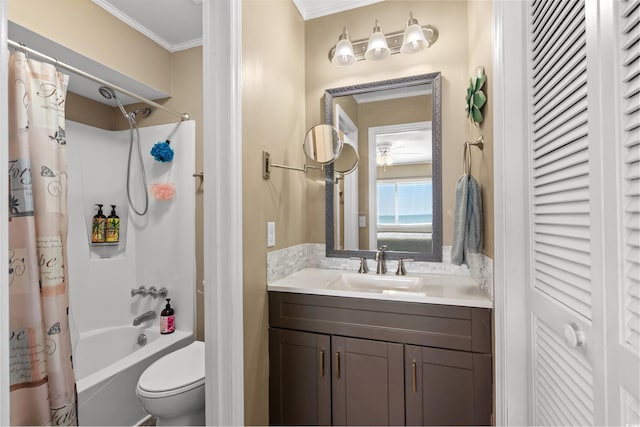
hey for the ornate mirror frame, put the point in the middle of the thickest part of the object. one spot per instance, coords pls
(435, 80)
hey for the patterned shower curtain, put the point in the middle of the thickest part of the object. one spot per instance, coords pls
(42, 379)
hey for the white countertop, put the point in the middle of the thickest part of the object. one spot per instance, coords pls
(446, 289)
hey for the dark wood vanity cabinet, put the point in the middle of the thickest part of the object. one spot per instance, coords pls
(349, 361)
(299, 378)
(367, 385)
(444, 387)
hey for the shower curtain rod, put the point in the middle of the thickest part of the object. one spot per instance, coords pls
(21, 47)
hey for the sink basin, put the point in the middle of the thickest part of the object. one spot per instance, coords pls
(376, 283)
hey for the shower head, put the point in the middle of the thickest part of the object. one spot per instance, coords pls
(108, 93)
(144, 111)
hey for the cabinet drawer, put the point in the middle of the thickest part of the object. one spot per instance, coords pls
(433, 325)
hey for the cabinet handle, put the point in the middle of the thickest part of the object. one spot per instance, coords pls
(322, 363)
(337, 364)
(414, 380)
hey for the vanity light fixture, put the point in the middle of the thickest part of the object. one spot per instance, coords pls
(343, 51)
(412, 39)
(377, 47)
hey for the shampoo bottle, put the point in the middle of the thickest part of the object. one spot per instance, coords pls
(98, 226)
(113, 226)
(167, 319)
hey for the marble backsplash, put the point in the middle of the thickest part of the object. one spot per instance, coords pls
(283, 262)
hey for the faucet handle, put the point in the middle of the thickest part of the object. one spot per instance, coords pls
(363, 264)
(140, 291)
(401, 271)
(153, 291)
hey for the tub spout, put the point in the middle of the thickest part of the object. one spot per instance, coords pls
(149, 315)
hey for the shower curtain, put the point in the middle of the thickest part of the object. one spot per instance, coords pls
(41, 372)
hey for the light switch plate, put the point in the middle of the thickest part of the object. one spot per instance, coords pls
(271, 234)
(362, 221)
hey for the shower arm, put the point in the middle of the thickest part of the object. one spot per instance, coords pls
(59, 64)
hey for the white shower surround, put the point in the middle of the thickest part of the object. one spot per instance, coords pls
(160, 247)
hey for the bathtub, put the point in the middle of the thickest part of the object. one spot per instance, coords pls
(108, 363)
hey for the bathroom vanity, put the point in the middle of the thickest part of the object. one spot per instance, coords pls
(348, 349)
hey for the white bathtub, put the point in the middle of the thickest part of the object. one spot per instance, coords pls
(108, 363)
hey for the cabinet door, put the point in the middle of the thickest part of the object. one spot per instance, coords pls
(367, 382)
(299, 378)
(446, 387)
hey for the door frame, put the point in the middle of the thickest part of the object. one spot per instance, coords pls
(351, 229)
(511, 203)
(222, 156)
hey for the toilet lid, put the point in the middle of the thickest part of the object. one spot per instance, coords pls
(178, 371)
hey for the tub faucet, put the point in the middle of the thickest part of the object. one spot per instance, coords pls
(149, 315)
(140, 291)
(381, 267)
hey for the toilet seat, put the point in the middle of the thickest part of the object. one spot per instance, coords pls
(175, 373)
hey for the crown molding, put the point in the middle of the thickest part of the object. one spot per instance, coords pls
(310, 9)
(145, 30)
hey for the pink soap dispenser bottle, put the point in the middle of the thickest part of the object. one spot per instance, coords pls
(167, 319)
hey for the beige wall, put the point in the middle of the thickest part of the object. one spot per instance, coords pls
(87, 29)
(273, 120)
(450, 55)
(481, 53)
(92, 113)
(420, 170)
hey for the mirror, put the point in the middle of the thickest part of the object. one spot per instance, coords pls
(322, 144)
(394, 196)
(347, 162)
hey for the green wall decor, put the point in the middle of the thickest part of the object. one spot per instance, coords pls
(476, 97)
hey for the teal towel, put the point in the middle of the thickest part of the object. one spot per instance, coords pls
(467, 220)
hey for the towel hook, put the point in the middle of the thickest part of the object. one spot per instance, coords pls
(466, 155)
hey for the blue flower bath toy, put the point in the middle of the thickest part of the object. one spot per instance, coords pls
(162, 151)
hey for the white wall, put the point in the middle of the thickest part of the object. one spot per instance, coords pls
(159, 248)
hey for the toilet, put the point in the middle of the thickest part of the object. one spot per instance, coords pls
(172, 387)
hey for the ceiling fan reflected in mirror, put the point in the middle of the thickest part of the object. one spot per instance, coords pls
(383, 157)
(403, 149)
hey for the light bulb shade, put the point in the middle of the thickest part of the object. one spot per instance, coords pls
(377, 47)
(413, 40)
(343, 55)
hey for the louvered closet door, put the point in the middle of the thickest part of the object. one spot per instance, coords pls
(625, 353)
(566, 346)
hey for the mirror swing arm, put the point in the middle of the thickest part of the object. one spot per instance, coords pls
(267, 165)
(323, 145)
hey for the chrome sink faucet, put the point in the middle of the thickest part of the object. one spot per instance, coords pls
(401, 270)
(381, 266)
(149, 315)
(363, 269)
